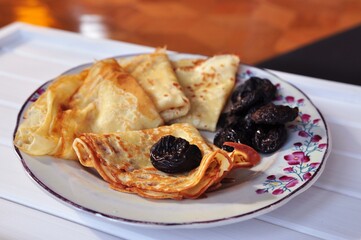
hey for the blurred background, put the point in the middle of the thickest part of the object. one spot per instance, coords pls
(255, 29)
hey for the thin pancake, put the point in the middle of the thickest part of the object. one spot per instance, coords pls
(40, 132)
(207, 83)
(211, 177)
(122, 159)
(119, 102)
(155, 74)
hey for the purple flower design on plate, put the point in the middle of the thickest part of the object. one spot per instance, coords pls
(296, 158)
(37, 94)
(299, 166)
(289, 100)
(279, 185)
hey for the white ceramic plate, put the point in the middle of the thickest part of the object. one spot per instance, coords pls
(279, 177)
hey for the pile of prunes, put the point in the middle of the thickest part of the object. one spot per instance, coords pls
(253, 119)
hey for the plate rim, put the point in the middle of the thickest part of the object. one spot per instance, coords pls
(201, 223)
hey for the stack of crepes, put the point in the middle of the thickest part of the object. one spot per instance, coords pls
(110, 114)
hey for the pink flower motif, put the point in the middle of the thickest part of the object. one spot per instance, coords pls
(290, 99)
(300, 101)
(37, 94)
(292, 183)
(260, 191)
(297, 144)
(316, 138)
(314, 165)
(303, 134)
(315, 121)
(288, 169)
(248, 72)
(305, 118)
(271, 177)
(277, 192)
(40, 91)
(277, 85)
(322, 146)
(307, 176)
(285, 178)
(296, 158)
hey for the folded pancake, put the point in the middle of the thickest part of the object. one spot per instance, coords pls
(40, 132)
(106, 99)
(207, 83)
(211, 177)
(111, 100)
(123, 160)
(155, 74)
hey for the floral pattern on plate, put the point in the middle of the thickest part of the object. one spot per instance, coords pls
(299, 163)
(300, 166)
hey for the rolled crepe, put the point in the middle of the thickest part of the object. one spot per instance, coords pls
(207, 83)
(155, 74)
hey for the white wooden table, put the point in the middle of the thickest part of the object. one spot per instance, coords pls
(29, 56)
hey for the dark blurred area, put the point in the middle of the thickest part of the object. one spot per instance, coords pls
(337, 58)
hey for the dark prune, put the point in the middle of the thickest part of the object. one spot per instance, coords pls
(274, 114)
(231, 134)
(269, 138)
(253, 120)
(225, 135)
(244, 89)
(247, 102)
(241, 123)
(227, 119)
(175, 155)
(263, 90)
(268, 89)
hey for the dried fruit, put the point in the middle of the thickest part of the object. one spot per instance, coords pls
(261, 86)
(269, 138)
(175, 155)
(225, 135)
(232, 133)
(253, 119)
(252, 93)
(248, 101)
(274, 114)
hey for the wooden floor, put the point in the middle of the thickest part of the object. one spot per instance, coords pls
(254, 29)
